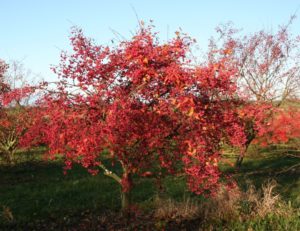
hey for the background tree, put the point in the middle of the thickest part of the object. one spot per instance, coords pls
(14, 117)
(268, 67)
(4, 87)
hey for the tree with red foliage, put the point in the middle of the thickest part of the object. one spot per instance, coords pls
(269, 71)
(143, 105)
(14, 117)
(283, 127)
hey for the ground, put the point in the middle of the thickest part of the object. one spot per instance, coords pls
(35, 194)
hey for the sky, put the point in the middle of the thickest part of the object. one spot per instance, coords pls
(37, 31)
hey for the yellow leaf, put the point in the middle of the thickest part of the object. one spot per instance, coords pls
(192, 152)
(228, 51)
(145, 60)
(191, 112)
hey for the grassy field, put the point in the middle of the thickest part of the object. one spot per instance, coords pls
(35, 194)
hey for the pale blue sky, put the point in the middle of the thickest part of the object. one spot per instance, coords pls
(37, 30)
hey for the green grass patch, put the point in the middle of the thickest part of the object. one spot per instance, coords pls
(35, 189)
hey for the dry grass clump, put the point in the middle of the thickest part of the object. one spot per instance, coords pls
(226, 206)
(168, 209)
(266, 201)
(7, 214)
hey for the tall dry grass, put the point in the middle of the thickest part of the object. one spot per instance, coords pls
(226, 206)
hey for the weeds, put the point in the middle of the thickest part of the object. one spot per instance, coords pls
(227, 207)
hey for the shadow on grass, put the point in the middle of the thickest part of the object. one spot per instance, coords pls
(38, 190)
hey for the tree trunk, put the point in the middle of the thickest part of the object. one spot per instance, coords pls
(161, 191)
(125, 200)
(126, 186)
(240, 158)
(250, 136)
(239, 161)
(9, 157)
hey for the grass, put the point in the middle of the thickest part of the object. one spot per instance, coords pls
(259, 170)
(37, 190)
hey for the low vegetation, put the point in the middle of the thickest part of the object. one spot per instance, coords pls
(36, 195)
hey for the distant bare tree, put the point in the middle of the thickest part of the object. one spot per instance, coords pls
(18, 76)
